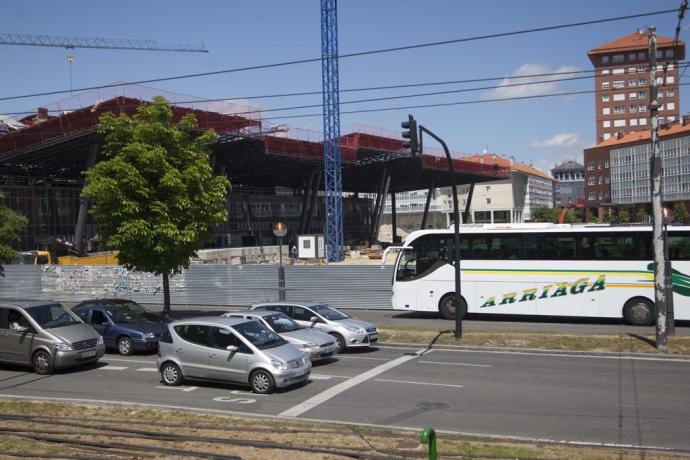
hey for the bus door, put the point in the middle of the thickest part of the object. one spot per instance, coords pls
(405, 287)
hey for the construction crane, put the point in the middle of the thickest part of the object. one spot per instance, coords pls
(97, 42)
(332, 157)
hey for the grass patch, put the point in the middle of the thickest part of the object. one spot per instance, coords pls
(99, 421)
(615, 343)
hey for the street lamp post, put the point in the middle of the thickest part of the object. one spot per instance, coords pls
(280, 230)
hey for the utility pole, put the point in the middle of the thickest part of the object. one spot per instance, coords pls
(658, 242)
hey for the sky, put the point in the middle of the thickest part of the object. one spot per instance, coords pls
(541, 132)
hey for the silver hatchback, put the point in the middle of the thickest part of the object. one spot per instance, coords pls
(47, 336)
(230, 350)
(315, 344)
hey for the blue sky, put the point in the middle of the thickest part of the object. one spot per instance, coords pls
(237, 34)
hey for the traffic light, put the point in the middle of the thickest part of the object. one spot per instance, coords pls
(411, 126)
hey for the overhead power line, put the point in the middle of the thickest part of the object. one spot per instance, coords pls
(360, 53)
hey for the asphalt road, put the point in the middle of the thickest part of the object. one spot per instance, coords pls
(383, 318)
(618, 400)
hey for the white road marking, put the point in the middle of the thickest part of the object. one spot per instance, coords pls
(420, 383)
(185, 389)
(339, 388)
(114, 368)
(235, 400)
(240, 392)
(107, 359)
(570, 355)
(361, 357)
(454, 364)
(319, 377)
(147, 369)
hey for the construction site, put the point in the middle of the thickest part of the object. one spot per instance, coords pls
(276, 172)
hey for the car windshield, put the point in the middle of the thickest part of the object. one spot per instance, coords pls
(280, 323)
(259, 335)
(125, 313)
(329, 312)
(53, 315)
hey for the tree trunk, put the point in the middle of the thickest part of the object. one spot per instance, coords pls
(166, 296)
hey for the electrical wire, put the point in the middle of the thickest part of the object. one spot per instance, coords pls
(357, 54)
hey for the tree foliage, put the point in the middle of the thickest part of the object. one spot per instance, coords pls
(545, 215)
(154, 196)
(642, 216)
(680, 212)
(11, 225)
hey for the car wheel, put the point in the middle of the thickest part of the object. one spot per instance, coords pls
(43, 363)
(171, 374)
(639, 312)
(261, 382)
(447, 307)
(125, 346)
(339, 343)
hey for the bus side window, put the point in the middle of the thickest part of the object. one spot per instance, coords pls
(679, 246)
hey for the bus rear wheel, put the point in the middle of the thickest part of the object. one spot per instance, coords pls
(447, 307)
(639, 311)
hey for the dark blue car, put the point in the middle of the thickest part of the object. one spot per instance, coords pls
(124, 325)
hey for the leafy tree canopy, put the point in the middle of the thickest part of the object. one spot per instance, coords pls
(154, 195)
(11, 225)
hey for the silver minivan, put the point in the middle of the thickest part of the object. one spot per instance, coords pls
(46, 335)
(348, 332)
(315, 344)
(231, 350)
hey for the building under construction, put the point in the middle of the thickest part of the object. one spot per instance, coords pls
(275, 172)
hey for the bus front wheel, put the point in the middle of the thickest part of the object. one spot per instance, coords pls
(447, 307)
(639, 311)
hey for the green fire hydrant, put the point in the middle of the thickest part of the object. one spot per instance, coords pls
(428, 436)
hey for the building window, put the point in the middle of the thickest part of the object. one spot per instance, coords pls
(619, 97)
(606, 164)
(618, 58)
(592, 180)
(642, 69)
(632, 83)
(670, 92)
(488, 201)
(633, 108)
(607, 135)
(643, 122)
(643, 107)
(631, 56)
(606, 124)
(606, 111)
(669, 53)
(618, 71)
(632, 96)
(670, 79)
(604, 59)
(605, 72)
(619, 84)
(592, 196)
(642, 81)
(671, 119)
(618, 123)
(670, 106)
(670, 66)
(605, 85)
(618, 109)
(633, 122)
(642, 94)
(605, 98)
(641, 56)
(591, 166)
(607, 180)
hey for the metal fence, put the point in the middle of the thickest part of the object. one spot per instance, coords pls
(355, 286)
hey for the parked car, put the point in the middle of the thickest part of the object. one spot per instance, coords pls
(348, 332)
(47, 336)
(230, 350)
(316, 345)
(124, 326)
(142, 310)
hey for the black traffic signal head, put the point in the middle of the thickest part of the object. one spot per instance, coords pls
(411, 126)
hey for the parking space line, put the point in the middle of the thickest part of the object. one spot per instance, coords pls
(185, 389)
(147, 369)
(454, 364)
(113, 368)
(420, 383)
(346, 385)
(108, 359)
(362, 357)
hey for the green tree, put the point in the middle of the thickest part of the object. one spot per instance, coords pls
(623, 216)
(680, 212)
(11, 225)
(642, 216)
(154, 196)
(545, 215)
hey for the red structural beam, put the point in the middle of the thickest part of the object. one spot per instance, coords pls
(369, 141)
(434, 162)
(87, 118)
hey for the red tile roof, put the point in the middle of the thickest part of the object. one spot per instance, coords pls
(633, 41)
(644, 135)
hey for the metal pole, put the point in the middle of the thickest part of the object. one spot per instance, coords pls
(670, 314)
(657, 217)
(281, 271)
(394, 219)
(456, 234)
(426, 205)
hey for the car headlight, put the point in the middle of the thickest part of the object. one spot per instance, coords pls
(100, 340)
(355, 329)
(149, 335)
(279, 364)
(309, 345)
(62, 346)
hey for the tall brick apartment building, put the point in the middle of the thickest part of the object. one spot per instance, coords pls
(622, 100)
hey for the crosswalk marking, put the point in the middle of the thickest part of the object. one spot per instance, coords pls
(114, 368)
(147, 369)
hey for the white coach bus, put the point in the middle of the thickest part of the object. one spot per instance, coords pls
(598, 271)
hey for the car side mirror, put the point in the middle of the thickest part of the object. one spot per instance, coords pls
(232, 348)
(18, 327)
(314, 319)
